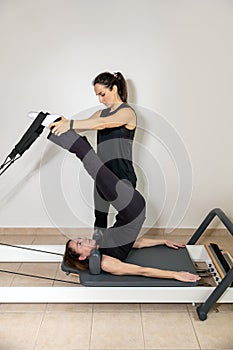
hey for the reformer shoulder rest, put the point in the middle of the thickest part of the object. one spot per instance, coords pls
(161, 257)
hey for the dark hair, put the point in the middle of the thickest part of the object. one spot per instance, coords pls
(109, 80)
(72, 259)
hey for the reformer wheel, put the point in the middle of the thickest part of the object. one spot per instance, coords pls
(201, 314)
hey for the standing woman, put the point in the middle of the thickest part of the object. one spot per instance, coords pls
(115, 127)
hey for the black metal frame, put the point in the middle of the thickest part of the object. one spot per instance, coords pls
(203, 309)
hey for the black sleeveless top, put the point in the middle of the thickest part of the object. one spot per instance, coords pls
(114, 147)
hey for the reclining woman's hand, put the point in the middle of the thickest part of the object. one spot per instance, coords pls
(174, 245)
(60, 127)
(186, 276)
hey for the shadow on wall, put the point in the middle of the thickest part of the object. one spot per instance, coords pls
(17, 188)
(140, 139)
(132, 94)
(140, 134)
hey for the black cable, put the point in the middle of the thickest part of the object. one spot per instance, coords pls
(36, 276)
(33, 249)
(6, 162)
(9, 162)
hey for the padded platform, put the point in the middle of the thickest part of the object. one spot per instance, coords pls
(160, 257)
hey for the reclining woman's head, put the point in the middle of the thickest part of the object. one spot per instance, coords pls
(77, 252)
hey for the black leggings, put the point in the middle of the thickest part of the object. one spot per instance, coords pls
(102, 206)
(129, 203)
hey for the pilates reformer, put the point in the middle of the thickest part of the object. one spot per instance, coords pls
(214, 266)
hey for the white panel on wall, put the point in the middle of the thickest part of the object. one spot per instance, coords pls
(177, 58)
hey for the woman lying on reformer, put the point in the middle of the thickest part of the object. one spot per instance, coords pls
(119, 239)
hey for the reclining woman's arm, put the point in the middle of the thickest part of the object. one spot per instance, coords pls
(117, 267)
(150, 242)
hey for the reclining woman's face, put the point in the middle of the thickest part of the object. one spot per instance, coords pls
(83, 246)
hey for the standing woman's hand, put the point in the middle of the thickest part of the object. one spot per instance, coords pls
(60, 127)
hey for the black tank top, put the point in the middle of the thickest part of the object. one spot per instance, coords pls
(114, 147)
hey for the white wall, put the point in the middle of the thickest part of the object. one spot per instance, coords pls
(177, 57)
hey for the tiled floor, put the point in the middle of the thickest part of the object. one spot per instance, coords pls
(104, 326)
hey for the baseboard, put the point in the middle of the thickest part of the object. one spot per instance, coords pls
(88, 231)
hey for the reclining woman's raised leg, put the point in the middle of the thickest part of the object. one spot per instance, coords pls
(127, 201)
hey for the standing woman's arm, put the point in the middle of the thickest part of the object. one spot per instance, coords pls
(95, 122)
